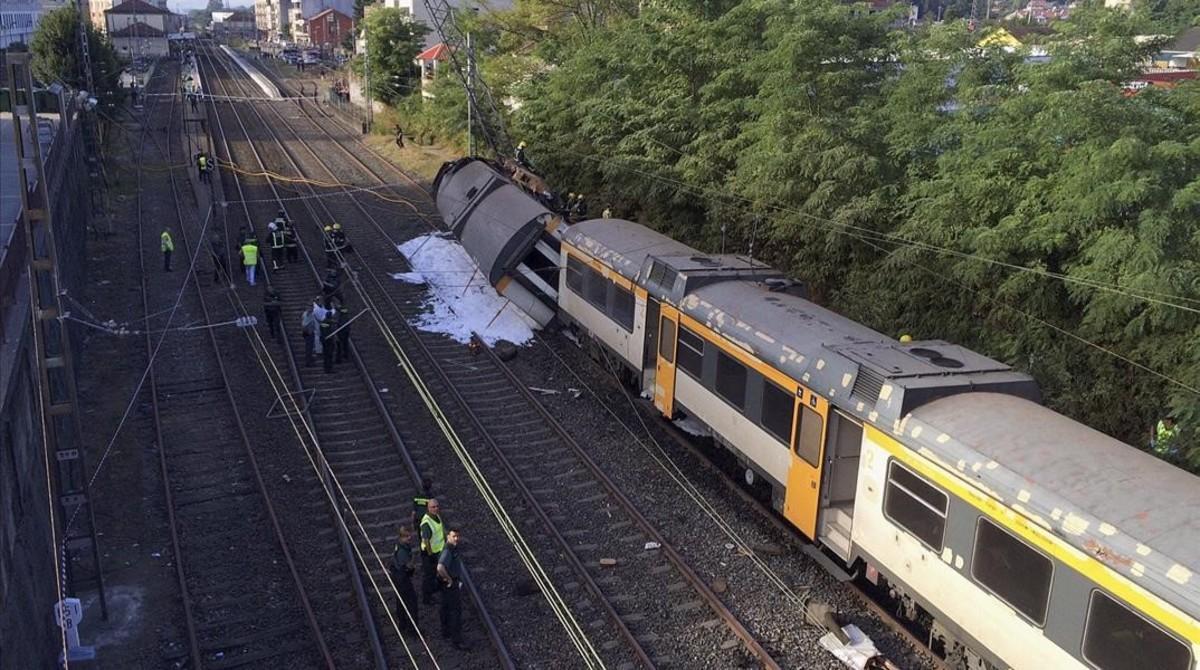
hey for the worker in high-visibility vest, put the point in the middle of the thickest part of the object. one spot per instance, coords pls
(433, 540)
(250, 259)
(168, 245)
(1165, 434)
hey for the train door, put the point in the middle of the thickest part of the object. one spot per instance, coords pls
(650, 345)
(664, 373)
(803, 499)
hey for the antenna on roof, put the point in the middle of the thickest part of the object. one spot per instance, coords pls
(753, 237)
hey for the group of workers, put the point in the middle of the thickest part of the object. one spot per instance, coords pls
(326, 325)
(441, 569)
(574, 209)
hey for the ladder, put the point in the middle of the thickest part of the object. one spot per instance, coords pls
(58, 402)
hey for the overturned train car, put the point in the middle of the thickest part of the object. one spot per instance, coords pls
(1019, 537)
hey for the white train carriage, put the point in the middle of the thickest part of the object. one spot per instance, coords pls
(1022, 538)
(1027, 539)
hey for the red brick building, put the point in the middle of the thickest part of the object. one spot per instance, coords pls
(327, 29)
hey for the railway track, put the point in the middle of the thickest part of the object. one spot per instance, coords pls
(646, 606)
(376, 470)
(243, 600)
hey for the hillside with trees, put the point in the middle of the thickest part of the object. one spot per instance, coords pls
(1031, 209)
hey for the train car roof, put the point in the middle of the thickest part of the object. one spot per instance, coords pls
(623, 245)
(1122, 506)
(860, 370)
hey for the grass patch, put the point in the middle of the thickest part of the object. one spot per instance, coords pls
(421, 161)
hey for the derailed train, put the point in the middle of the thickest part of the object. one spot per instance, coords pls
(1021, 538)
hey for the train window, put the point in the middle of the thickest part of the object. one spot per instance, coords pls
(1117, 638)
(691, 353)
(622, 308)
(663, 275)
(597, 289)
(731, 380)
(808, 436)
(666, 340)
(915, 505)
(575, 274)
(778, 406)
(1017, 573)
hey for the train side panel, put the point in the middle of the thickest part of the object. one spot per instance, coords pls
(594, 317)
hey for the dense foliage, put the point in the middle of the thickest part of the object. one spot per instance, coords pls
(55, 47)
(1027, 207)
(393, 41)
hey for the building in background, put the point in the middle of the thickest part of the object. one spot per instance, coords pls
(328, 28)
(240, 23)
(18, 20)
(417, 10)
(139, 29)
(271, 18)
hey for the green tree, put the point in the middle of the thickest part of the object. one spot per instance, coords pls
(360, 8)
(393, 41)
(55, 48)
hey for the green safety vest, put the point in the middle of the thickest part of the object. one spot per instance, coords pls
(249, 254)
(169, 245)
(1164, 437)
(437, 536)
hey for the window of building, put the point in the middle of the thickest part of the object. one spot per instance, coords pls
(1117, 638)
(575, 273)
(1017, 573)
(808, 435)
(597, 289)
(691, 353)
(778, 407)
(623, 307)
(915, 505)
(731, 380)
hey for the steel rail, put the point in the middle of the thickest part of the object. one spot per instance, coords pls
(674, 557)
(572, 557)
(675, 433)
(492, 630)
(302, 593)
(731, 621)
(176, 550)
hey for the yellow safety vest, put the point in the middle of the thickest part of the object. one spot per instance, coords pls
(203, 162)
(437, 536)
(1164, 437)
(249, 254)
(167, 243)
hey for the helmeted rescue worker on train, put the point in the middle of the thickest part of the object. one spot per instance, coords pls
(275, 236)
(579, 209)
(521, 158)
(1166, 435)
(433, 541)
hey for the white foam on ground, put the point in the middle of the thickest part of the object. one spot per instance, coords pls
(460, 300)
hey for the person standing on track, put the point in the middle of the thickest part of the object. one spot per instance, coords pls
(277, 243)
(339, 241)
(342, 327)
(449, 570)
(330, 248)
(433, 541)
(289, 241)
(408, 614)
(168, 246)
(328, 345)
(250, 259)
(216, 249)
(273, 308)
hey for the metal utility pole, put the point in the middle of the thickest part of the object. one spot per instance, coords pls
(470, 97)
(367, 78)
(61, 425)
